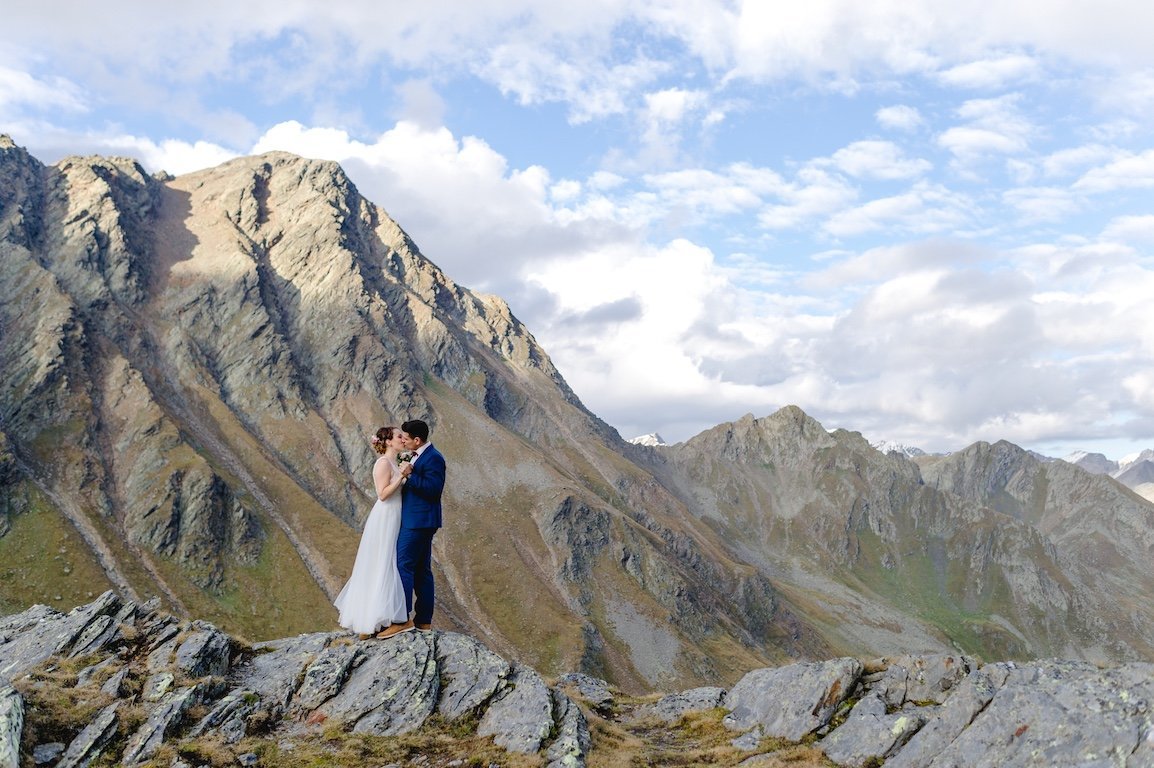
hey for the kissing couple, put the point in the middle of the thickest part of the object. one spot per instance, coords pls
(395, 557)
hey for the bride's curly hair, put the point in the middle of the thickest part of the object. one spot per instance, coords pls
(381, 440)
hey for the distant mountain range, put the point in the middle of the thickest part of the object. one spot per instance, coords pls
(1135, 471)
(192, 367)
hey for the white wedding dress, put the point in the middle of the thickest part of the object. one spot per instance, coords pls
(373, 597)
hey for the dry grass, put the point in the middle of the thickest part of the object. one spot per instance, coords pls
(55, 710)
(697, 739)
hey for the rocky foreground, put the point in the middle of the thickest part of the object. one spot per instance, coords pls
(116, 682)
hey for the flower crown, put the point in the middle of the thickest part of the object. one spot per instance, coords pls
(377, 440)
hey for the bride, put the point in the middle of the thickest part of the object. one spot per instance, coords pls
(373, 597)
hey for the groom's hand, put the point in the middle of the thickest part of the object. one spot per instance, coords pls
(407, 469)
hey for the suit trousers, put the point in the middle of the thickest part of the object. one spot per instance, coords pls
(415, 565)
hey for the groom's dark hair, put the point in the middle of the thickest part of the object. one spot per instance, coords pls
(416, 428)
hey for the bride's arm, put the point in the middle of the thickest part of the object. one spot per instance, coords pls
(385, 478)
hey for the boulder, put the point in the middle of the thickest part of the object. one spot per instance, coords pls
(392, 691)
(870, 733)
(472, 675)
(791, 701)
(521, 717)
(672, 707)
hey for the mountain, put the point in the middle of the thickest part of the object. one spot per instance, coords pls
(193, 366)
(1135, 471)
(887, 446)
(652, 440)
(1095, 463)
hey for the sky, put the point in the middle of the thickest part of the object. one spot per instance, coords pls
(929, 222)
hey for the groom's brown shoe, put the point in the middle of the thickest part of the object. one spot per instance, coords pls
(395, 629)
(424, 627)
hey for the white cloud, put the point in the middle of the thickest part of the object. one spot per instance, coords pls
(923, 209)
(992, 127)
(20, 90)
(703, 191)
(1131, 229)
(1128, 171)
(991, 73)
(1067, 162)
(1131, 93)
(1042, 204)
(421, 104)
(878, 160)
(900, 117)
(814, 195)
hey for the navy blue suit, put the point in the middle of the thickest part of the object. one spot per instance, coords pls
(420, 519)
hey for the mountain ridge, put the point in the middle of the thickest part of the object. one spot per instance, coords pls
(195, 364)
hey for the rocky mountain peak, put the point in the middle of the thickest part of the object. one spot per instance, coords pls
(193, 366)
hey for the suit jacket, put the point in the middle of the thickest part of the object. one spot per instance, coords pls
(421, 493)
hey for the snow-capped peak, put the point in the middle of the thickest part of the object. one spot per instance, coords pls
(651, 439)
(888, 446)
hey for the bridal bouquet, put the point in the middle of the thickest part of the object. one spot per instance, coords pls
(404, 456)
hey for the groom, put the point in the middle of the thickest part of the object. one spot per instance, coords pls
(420, 518)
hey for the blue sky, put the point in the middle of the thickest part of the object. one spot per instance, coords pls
(926, 222)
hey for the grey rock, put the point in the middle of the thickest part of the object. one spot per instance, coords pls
(84, 676)
(393, 691)
(791, 701)
(748, 741)
(114, 686)
(970, 697)
(571, 746)
(922, 678)
(102, 631)
(1058, 713)
(163, 656)
(870, 733)
(157, 686)
(324, 677)
(47, 753)
(520, 718)
(11, 726)
(205, 651)
(472, 674)
(163, 719)
(672, 707)
(227, 716)
(53, 633)
(276, 667)
(592, 689)
(88, 744)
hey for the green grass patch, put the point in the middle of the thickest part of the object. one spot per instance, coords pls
(44, 560)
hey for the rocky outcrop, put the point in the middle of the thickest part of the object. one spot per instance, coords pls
(194, 681)
(188, 686)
